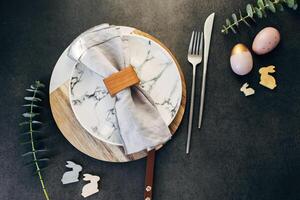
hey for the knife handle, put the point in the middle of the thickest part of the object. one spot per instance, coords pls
(202, 98)
(149, 175)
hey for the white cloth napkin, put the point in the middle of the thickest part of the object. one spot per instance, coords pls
(102, 50)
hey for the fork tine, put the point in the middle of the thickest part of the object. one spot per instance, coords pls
(191, 43)
(201, 45)
(195, 42)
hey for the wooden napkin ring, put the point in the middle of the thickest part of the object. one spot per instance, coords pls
(119, 81)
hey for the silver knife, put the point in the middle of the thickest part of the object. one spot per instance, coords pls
(208, 26)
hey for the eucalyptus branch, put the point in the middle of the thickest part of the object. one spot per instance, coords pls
(258, 11)
(37, 154)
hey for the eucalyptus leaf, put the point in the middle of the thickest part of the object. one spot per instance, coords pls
(264, 13)
(241, 15)
(260, 4)
(36, 122)
(235, 20)
(290, 3)
(31, 132)
(228, 22)
(33, 87)
(249, 10)
(35, 140)
(270, 6)
(28, 122)
(35, 91)
(41, 137)
(232, 29)
(24, 123)
(34, 99)
(30, 115)
(245, 22)
(295, 7)
(31, 105)
(279, 7)
(40, 151)
(39, 84)
(258, 12)
(39, 161)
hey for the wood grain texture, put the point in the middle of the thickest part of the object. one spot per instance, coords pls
(85, 142)
(121, 80)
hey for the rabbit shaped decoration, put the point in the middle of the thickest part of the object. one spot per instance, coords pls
(71, 176)
(247, 90)
(92, 186)
(265, 78)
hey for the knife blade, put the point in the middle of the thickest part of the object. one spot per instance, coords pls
(208, 26)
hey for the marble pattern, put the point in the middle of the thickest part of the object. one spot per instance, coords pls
(94, 107)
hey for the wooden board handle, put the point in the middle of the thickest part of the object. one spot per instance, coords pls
(149, 175)
(121, 80)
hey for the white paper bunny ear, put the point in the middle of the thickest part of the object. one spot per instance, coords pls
(92, 187)
(71, 176)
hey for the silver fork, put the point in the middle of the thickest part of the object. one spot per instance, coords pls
(195, 58)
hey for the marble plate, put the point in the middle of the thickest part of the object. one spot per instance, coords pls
(94, 107)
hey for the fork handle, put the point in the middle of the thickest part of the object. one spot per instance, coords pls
(188, 144)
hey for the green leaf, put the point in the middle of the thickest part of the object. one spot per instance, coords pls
(295, 7)
(34, 99)
(290, 3)
(264, 13)
(28, 122)
(35, 141)
(25, 137)
(228, 23)
(29, 132)
(245, 22)
(36, 122)
(30, 115)
(39, 84)
(258, 13)
(279, 7)
(240, 13)
(234, 17)
(35, 91)
(270, 6)
(39, 151)
(33, 105)
(39, 161)
(260, 4)
(249, 10)
(232, 29)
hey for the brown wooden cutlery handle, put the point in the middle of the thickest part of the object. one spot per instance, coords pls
(149, 175)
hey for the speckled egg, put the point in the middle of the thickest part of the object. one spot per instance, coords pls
(266, 40)
(241, 60)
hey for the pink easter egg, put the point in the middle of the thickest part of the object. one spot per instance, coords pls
(266, 40)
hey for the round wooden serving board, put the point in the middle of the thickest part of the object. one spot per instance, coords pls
(85, 142)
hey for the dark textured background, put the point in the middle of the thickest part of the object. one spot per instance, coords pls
(248, 148)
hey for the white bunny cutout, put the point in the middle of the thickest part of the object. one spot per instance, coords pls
(71, 176)
(92, 186)
(247, 90)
